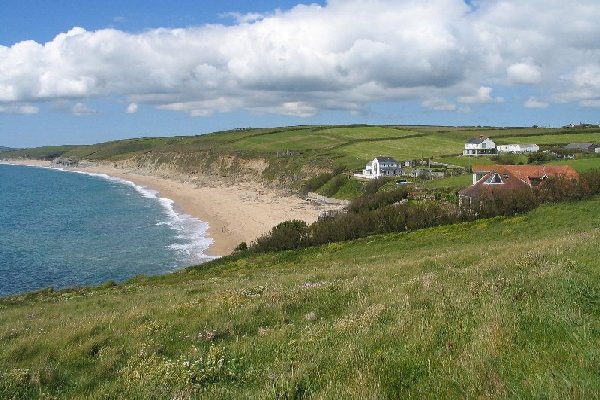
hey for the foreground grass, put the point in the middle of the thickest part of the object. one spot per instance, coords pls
(508, 307)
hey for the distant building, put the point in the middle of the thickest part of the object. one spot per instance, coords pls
(381, 167)
(480, 146)
(583, 147)
(518, 148)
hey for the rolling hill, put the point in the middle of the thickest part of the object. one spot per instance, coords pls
(288, 155)
(504, 307)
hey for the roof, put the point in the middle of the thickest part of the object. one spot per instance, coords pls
(579, 146)
(385, 159)
(477, 140)
(525, 172)
(493, 182)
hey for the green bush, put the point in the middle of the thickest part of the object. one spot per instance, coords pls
(333, 185)
(507, 203)
(591, 181)
(315, 182)
(374, 185)
(506, 158)
(377, 200)
(540, 157)
(285, 236)
(558, 188)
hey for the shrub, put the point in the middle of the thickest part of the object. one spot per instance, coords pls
(540, 157)
(506, 158)
(374, 185)
(240, 248)
(285, 236)
(315, 182)
(591, 181)
(377, 200)
(559, 188)
(333, 185)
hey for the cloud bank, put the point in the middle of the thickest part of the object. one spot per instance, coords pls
(342, 56)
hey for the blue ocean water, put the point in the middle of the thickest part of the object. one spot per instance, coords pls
(63, 229)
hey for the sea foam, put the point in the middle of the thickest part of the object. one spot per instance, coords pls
(192, 230)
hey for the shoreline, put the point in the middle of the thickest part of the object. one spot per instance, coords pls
(235, 213)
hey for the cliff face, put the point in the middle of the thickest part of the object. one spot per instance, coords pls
(206, 167)
(200, 167)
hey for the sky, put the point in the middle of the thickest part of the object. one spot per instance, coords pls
(77, 72)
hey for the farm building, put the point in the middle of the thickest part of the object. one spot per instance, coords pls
(583, 147)
(479, 146)
(518, 148)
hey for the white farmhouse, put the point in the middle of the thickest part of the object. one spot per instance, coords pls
(518, 148)
(381, 167)
(479, 146)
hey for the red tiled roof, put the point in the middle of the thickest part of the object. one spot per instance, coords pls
(509, 182)
(526, 172)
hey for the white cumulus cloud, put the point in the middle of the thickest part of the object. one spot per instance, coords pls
(523, 73)
(439, 104)
(483, 95)
(22, 109)
(532, 102)
(341, 56)
(132, 108)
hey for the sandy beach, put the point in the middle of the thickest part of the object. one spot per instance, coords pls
(239, 212)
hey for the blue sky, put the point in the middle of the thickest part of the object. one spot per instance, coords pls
(86, 72)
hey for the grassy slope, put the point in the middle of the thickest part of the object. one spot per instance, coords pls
(494, 308)
(351, 146)
(291, 155)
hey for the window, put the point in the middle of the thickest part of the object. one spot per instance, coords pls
(494, 179)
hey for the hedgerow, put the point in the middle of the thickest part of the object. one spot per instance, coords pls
(386, 212)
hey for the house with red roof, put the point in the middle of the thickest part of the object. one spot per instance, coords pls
(492, 180)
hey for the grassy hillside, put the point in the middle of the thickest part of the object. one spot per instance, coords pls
(508, 307)
(293, 153)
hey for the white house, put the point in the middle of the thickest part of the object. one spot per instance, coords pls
(518, 148)
(381, 167)
(479, 146)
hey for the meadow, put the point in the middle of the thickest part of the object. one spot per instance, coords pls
(323, 146)
(496, 308)
(289, 156)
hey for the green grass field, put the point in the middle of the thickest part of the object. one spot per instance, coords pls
(452, 182)
(294, 154)
(507, 307)
(581, 164)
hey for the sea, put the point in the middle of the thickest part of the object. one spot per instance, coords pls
(62, 229)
